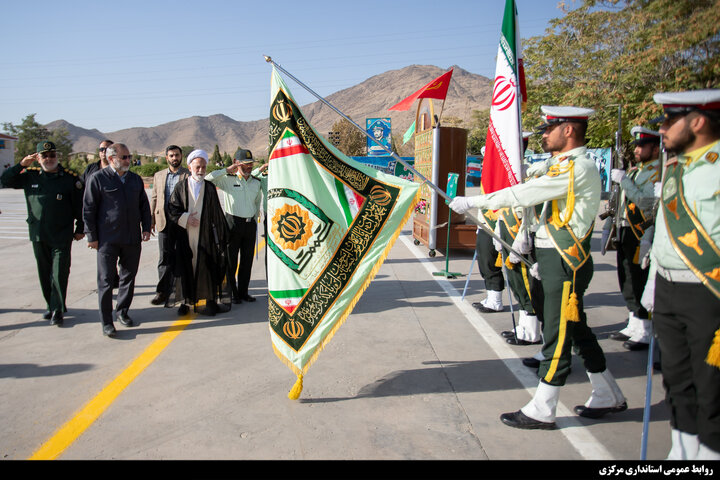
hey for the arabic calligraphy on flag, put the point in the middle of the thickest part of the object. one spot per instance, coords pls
(331, 223)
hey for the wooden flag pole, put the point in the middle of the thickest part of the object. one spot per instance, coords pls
(417, 174)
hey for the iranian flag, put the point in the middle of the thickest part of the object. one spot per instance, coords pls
(331, 223)
(503, 146)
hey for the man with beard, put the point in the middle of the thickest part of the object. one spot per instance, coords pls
(202, 238)
(164, 183)
(100, 164)
(566, 201)
(637, 200)
(54, 202)
(115, 207)
(243, 194)
(683, 289)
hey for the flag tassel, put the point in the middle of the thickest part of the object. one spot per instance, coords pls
(295, 391)
(713, 356)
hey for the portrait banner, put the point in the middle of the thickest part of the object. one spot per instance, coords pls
(331, 223)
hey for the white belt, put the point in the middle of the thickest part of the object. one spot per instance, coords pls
(678, 276)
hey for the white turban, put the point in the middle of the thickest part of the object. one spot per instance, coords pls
(197, 154)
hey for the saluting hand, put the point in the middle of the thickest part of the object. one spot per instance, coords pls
(28, 160)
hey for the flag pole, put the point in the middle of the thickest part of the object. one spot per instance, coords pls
(417, 174)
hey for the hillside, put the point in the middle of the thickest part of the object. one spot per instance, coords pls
(368, 99)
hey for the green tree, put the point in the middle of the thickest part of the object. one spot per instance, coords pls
(216, 158)
(227, 159)
(29, 133)
(479, 122)
(186, 150)
(607, 53)
(352, 141)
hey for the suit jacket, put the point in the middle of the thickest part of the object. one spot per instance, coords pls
(113, 211)
(157, 199)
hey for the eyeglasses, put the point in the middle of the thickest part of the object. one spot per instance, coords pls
(48, 155)
(102, 149)
(126, 157)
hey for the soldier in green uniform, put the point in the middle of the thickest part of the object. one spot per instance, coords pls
(637, 200)
(566, 201)
(54, 203)
(683, 289)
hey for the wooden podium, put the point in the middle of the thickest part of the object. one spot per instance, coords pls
(439, 151)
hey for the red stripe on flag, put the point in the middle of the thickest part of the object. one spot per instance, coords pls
(287, 151)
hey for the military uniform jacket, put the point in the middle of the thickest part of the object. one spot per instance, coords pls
(638, 189)
(242, 197)
(113, 211)
(700, 190)
(554, 186)
(54, 202)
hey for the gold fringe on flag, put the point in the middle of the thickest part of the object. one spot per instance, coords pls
(713, 356)
(294, 393)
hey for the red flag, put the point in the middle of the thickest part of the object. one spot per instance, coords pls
(436, 89)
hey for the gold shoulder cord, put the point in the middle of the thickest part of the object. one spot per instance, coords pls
(554, 171)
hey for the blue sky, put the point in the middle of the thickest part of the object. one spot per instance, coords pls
(115, 65)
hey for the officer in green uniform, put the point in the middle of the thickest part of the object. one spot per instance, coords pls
(566, 201)
(637, 200)
(54, 203)
(683, 289)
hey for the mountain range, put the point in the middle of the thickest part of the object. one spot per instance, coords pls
(369, 99)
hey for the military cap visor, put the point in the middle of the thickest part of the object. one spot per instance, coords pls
(682, 103)
(244, 156)
(643, 135)
(45, 146)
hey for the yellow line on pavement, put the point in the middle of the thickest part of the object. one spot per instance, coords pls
(85, 417)
(70, 432)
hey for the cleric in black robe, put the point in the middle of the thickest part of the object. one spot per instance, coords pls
(203, 237)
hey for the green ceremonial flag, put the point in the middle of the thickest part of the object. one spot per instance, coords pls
(331, 223)
(408, 135)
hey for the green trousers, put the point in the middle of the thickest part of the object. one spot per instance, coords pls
(561, 336)
(53, 266)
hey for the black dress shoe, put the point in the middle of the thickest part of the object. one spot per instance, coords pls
(248, 298)
(159, 299)
(520, 420)
(515, 341)
(109, 330)
(482, 308)
(531, 362)
(183, 310)
(620, 337)
(47, 315)
(221, 308)
(633, 346)
(236, 301)
(656, 366)
(56, 318)
(507, 334)
(586, 412)
(125, 319)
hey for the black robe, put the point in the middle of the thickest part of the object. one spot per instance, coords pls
(210, 278)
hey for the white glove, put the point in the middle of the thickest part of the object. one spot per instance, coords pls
(461, 204)
(648, 296)
(603, 242)
(657, 189)
(521, 244)
(534, 271)
(645, 246)
(617, 175)
(537, 169)
(512, 258)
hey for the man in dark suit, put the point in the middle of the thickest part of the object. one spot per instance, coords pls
(100, 164)
(164, 183)
(115, 206)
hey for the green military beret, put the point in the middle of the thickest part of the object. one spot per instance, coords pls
(45, 146)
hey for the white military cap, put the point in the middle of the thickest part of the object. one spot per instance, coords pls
(642, 135)
(562, 114)
(678, 103)
(197, 154)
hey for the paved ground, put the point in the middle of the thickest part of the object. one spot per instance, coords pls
(415, 373)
